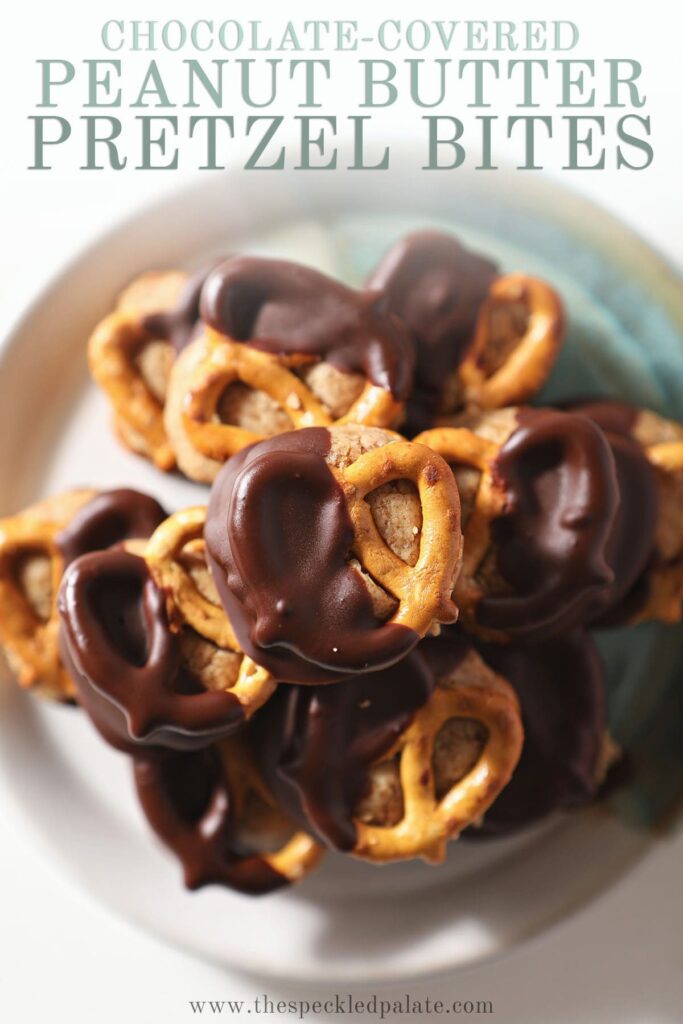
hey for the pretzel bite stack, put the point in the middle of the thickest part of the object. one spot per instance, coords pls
(374, 636)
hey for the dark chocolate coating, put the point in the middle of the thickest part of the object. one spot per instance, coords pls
(436, 287)
(109, 518)
(179, 325)
(187, 801)
(125, 661)
(560, 686)
(278, 539)
(553, 539)
(285, 308)
(315, 744)
(632, 544)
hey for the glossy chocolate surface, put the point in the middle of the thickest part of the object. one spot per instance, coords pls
(632, 543)
(315, 744)
(560, 686)
(109, 518)
(178, 325)
(286, 309)
(436, 287)
(125, 661)
(187, 800)
(553, 540)
(278, 539)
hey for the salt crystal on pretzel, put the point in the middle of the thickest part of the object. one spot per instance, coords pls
(334, 550)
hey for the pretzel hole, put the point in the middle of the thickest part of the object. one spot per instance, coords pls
(506, 325)
(488, 577)
(669, 522)
(245, 407)
(261, 828)
(382, 805)
(467, 479)
(117, 606)
(192, 559)
(32, 574)
(457, 748)
(397, 511)
(153, 361)
(336, 389)
(384, 604)
(206, 666)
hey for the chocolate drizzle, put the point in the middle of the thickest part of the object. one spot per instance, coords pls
(178, 325)
(286, 309)
(316, 744)
(187, 801)
(278, 539)
(436, 287)
(553, 539)
(107, 519)
(125, 661)
(560, 687)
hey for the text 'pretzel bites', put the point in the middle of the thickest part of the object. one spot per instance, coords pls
(200, 805)
(185, 605)
(298, 603)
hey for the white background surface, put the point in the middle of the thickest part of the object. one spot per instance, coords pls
(62, 958)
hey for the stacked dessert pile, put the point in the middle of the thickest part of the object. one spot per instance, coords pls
(283, 664)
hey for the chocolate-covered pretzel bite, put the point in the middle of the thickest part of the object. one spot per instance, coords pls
(213, 810)
(35, 548)
(648, 452)
(284, 347)
(393, 764)
(131, 352)
(566, 752)
(334, 550)
(482, 339)
(153, 656)
(540, 515)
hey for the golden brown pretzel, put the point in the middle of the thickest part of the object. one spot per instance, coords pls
(462, 447)
(526, 366)
(29, 623)
(424, 591)
(428, 823)
(224, 362)
(114, 354)
(185, 605)
(665, 579)
(299, 854)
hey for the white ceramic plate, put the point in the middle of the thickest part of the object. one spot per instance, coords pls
(349, 921)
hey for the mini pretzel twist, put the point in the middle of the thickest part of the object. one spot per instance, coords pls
(527, 366)
(300, 853)
(186, 605)
(429, 823)
(461, 447)
(228, 361)
(112, 352)
(424, 591)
